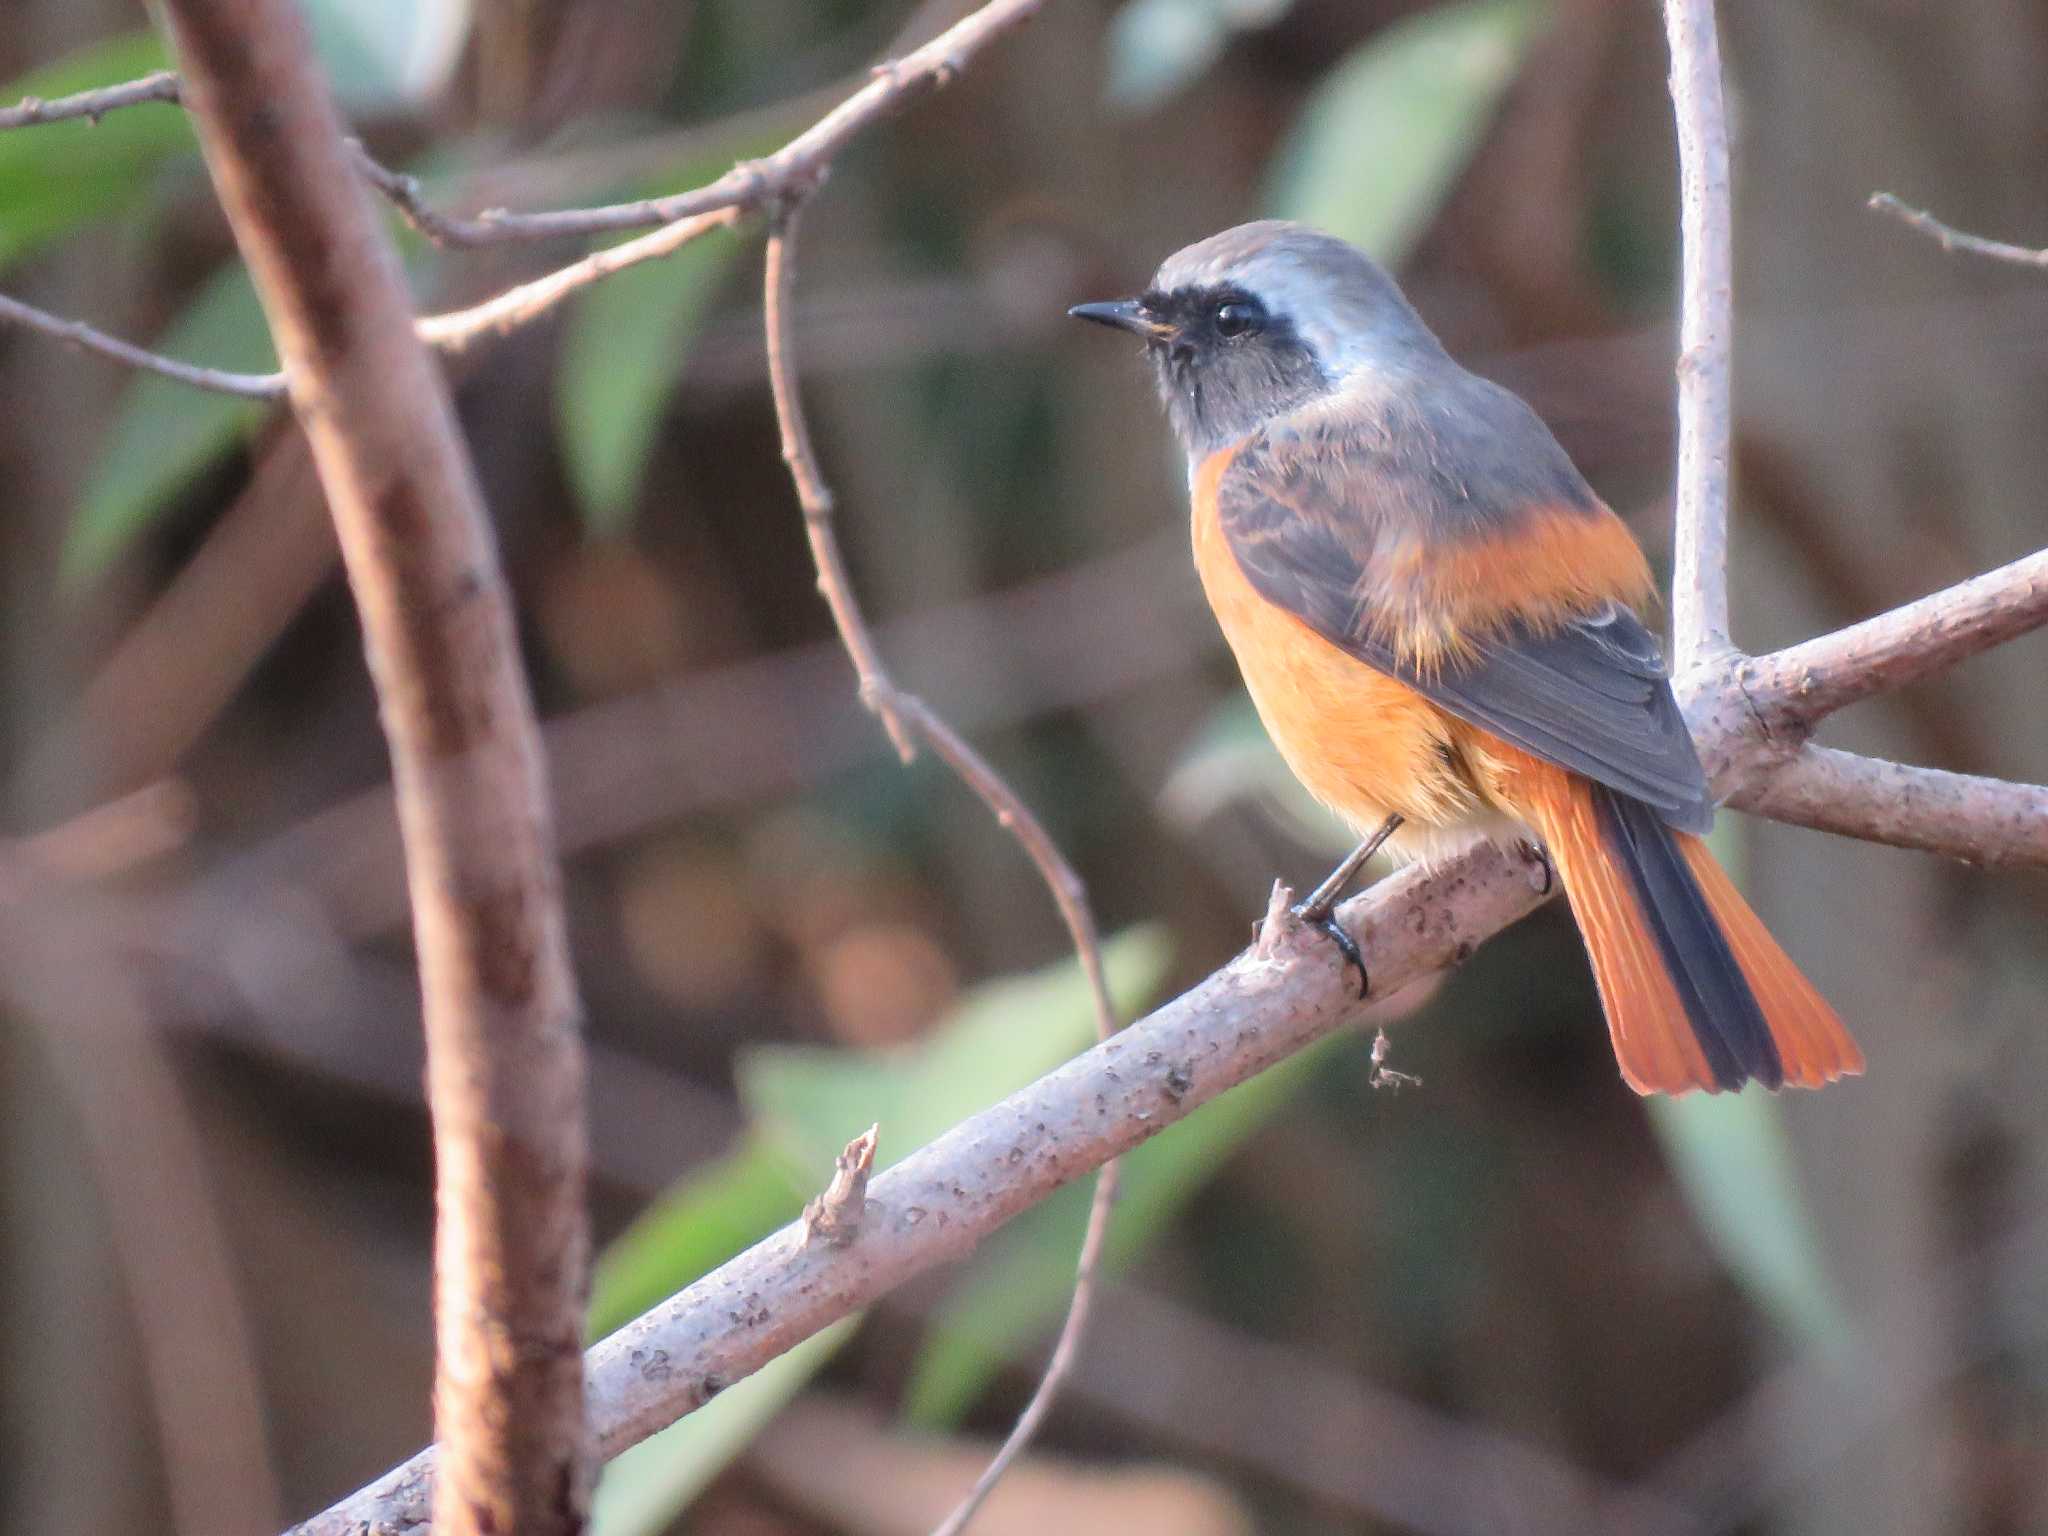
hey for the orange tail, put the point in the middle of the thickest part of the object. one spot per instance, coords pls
(1697, 992)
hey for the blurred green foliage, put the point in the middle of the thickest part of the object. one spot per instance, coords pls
(1383, 136)
(165, 432)
(64, 176)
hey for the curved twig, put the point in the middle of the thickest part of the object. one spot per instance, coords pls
(908, 720)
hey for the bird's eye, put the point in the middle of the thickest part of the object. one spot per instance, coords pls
(1237, 318)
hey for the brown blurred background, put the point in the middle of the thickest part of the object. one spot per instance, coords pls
(1509, 1300)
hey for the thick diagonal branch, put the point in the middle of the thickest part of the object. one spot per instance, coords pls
(1282, 995)
(505, 1067)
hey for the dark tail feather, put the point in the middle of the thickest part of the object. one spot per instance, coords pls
(1752, 1014)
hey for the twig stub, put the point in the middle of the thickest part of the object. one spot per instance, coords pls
(835, 1216)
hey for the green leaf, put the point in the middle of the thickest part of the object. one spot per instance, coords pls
(1156, 47)
(641, 1492)
(810, 1101)
(1386, 132)
(58, 177)
(625, 345)
(1024, 1277)
(166, 432)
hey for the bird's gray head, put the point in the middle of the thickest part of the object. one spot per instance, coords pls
(1261, 320)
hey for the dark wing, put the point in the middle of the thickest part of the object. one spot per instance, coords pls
(1591, 695)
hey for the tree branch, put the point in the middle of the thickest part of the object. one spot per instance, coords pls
(1796, 688)
(1982, 821)
(1699, 578)
(1949, 238)
(162, 86)
(505, 1065)
(1280, 996)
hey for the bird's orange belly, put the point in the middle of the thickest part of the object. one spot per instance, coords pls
(1363, 743)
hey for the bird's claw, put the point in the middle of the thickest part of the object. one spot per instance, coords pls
(1346, 945)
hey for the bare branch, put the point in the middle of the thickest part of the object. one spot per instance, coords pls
(254, 386)
(1795, 688)
(905, 717)
(505, 1065)
(506, 312)
(1699, 578)
(1981, 821)
(162, 86)
(1949, 238)
(1285, 993)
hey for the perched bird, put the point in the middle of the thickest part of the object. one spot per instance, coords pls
(1435, 617)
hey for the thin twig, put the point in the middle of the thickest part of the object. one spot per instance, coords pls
(1951, 239)
(907, 720)
(505, 1066)
(162, 86)
(813, 495)
(1699, 578)
(253, 386)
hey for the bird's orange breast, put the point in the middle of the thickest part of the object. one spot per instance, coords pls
(1363, 743)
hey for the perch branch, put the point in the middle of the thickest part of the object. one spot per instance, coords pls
(1283, 994)
(1949, 238)
(1699, 577)
(31, 110)
(504, 1060)
(908, 720)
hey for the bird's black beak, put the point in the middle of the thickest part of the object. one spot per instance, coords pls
(1126, 315)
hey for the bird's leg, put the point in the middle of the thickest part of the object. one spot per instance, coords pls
(1532, 853)
(1322, 901)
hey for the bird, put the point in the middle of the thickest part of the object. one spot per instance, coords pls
(1439, 624)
